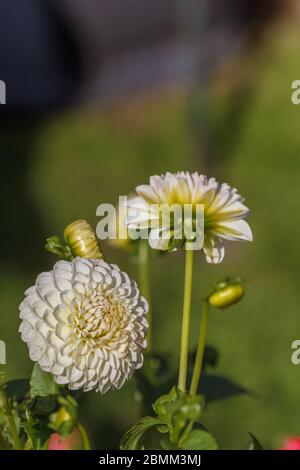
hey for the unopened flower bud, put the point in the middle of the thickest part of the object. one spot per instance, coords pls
(81, 238)
(227, 293)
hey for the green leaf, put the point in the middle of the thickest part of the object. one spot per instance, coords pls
(32, 432)
(131, 439)
(177, 405)
(217, 387)
(57, 247)
(167, 445)
(176, 409)
(16, 389)
(37, 431)
(198, 439)
(254, 444)
(43, 406)
(42, 383)
(163, 403)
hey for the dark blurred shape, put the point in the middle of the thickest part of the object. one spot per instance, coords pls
(37, 58)
(53, 52)
(217, 387)
(21, 228)
(111, 48)
(127, 46)
(39, 65)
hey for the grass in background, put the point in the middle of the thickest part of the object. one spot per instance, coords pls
(85, 158)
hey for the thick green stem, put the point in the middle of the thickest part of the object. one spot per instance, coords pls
(200, 350)
(145, 284)
(185, 330)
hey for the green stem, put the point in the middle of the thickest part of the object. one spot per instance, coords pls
(184, 349)
(14, 433)
(84, 437)
(200, 350)
(145, 285)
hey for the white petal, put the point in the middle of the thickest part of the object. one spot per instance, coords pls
(63, 265)
(148, 193)
(81, 267)
(233, 210)
(160, 186)
(234, 230)
(62, 337)
(159, 239)
(214, 251)
(183, 195)
(63, 284)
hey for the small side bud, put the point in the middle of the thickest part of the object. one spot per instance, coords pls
(56, 246)
(60, 417)
(226, 293)
(81, 238)
(62, 421)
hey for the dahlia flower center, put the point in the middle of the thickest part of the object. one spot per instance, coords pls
(209, 218)
(97, 318)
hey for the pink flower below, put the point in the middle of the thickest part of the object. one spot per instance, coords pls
(291, 443)
(71, 442)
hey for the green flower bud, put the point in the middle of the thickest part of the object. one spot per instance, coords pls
(81, 238)
(61, 416)
(62, 421)
(227, 293)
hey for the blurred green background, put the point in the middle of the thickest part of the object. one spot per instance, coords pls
(64, 167)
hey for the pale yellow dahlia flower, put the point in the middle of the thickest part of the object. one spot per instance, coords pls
(223, 211)
(85, 322)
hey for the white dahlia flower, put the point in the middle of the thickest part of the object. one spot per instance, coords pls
(223, 211)
(85, 322)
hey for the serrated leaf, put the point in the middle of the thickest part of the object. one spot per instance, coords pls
(42, 383)
(199, 439)
(37, 431)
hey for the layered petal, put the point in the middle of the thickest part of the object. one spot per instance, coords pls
(223, 209)
(214, 250)
(85, 322)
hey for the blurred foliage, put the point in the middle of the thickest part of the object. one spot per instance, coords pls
(251, 138)
(177, 416)
(31, 410)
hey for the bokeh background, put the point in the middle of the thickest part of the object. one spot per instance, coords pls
(101, 95)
